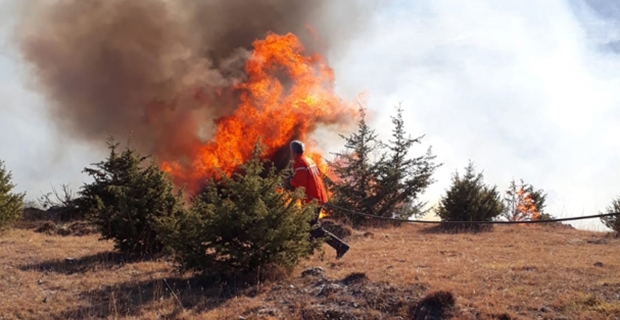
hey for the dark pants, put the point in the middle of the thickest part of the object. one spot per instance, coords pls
(319, 232)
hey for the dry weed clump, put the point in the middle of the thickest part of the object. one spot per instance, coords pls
(76, 228)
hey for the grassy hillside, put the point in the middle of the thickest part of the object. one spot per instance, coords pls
(513, 272)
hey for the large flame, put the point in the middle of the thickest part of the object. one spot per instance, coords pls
(286, 96)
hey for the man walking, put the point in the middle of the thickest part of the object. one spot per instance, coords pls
(307, 175)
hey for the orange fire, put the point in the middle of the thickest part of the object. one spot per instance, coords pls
(322, 214)
(286, 96)
(525, 206)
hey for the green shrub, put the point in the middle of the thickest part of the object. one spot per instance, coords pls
(133, 204)
(613, 222)
(11, 204)
(469, 199)
(245, 224)
(546, 217)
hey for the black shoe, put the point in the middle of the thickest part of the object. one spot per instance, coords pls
(341, 251)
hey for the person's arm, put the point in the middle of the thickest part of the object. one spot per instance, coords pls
(300, 177)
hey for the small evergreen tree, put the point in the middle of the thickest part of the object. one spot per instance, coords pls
(539, 199)
(402, 179)
(11, 204)
(524, 202)
(519, 203)
(469, 199)
(133, 204)
(613, 222)
(355, 186)
(388, 185)
(246, 223)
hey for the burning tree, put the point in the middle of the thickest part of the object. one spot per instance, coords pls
(523, 203)
(369, 180)
(519, 203)
(539, 199)
(287, 94)
(245, 223)
(11, 203)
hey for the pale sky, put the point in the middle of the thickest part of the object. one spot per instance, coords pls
(525, 89)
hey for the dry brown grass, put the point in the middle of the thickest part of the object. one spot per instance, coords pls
(513, 272)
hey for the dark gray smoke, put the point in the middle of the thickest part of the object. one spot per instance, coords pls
(160, 70)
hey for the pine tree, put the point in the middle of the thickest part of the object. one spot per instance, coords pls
(356, 175)
(469, 199)
(246, 224)
(539, 199)
(524, 202)
(403, 179)
(11, 204)
(519, 203)
(613, 222)
(133, 204)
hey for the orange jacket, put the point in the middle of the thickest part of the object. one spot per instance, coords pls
(307, 175)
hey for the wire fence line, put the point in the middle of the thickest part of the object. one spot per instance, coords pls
(472, 222)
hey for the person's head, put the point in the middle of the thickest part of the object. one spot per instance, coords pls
(297, 148)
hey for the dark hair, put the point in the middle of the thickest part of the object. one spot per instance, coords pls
(297, 146)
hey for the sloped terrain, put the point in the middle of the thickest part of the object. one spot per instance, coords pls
(411, 272)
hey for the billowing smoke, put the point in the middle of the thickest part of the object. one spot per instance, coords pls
(161, 70)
